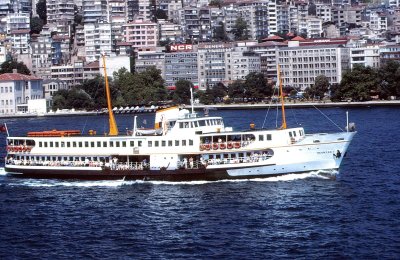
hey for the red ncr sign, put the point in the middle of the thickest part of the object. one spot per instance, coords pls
(181, 47)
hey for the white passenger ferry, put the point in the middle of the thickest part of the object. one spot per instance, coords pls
(181, 147)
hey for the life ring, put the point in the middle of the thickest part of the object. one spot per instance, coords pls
(237, 145)
(20, 148)
(24, 148)
(222, 146)
(215, 146)
(230, 145)
(28, 148)
(207, 146)
(202, 147)
(8, 148)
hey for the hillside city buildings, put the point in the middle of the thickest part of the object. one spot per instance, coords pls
(193, 40)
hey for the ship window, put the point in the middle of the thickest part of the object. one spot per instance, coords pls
(65, 158)
(105, 144)
(62, 144)
(117, 144)
(111, 144)
(68, 144)
(91, 144)
(80, 144)
(150, 144)
(123, 143)
(73, 144)
(157, 143)
(163, 143)
(56, 144)
(48, 158)
(51, 144)
(186, 125)
(139, 143)
(45, 144)
(132, 143)
(294, 133)
(169, 142)
(71, 158)
(183, 142)
(180, 125)
(176, 142)
(261, 137)
(98, 144)
(290, 134)
(40, 144)
(202, 123)
(190, 142)
(269, 137)
(316, 141)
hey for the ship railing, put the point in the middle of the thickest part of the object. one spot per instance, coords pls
(225, 145)
(248, 159)
(129, 166)
(191, 164)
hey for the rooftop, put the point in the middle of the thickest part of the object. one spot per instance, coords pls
(17, 76)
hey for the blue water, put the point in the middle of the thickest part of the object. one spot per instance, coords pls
(309, 216)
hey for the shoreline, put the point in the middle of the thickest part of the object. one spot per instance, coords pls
(243, 106)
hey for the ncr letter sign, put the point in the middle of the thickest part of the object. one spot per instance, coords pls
(180, 47)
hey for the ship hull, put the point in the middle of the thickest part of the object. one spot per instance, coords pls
(177, 175)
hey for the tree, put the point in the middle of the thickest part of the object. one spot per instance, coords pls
(357, 84)
(236, 90)
(36, 25)
(161, 14)
(8, 66)
(217, 3)
(320, 87)
(182, 91)
(390, 79)
(219, 33)
(206, 97)
(41, 10)
(240, 30)
(74, 98)
(219, 91)
(256, 86)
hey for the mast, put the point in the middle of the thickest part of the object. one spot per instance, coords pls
(282, 99)
(113, 125)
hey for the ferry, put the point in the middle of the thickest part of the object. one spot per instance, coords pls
(182, 146)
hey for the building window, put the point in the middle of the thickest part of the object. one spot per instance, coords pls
(269, 137)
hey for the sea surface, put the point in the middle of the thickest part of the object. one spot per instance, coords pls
(355, 215)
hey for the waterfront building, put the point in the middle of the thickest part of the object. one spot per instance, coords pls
(212, 63)
(150, 57)
(181, 63)
(300, 65)
(50, 86)
(97, 40)
(91, 70)
(70, 74)
(364, 54)
(16, 90)
(241, 62)
(141, 34)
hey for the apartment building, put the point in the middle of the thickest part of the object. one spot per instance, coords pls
(365, 55)
(20, 41)
(389, 52)
(95, 11)
(141, 34)
(17, 21)
(60, 13)
(97, 40)
(300, 65)
(314, 27)
(51, 86)
(324, 12)
(149, 57)
(181, 63)
(345, 15)
(71, 74)
(171, 8)
(16, 6)
(41, 53)
(378, 22)
(169, 32)
(241, 63)
(256, 17)
(212, 63)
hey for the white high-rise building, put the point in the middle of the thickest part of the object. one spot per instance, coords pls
(97, 40)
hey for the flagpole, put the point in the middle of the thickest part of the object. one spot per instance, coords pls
(8, 135)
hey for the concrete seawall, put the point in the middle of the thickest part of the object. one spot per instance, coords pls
(243, 106)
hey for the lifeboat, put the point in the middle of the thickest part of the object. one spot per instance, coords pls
(54, 133)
